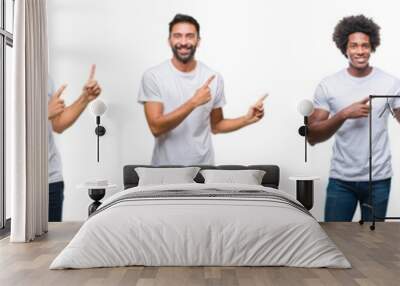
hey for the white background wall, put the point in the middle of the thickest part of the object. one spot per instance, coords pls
(283, 47)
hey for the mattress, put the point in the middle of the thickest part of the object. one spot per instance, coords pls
(201, 225)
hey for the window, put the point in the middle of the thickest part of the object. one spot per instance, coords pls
(6, 44)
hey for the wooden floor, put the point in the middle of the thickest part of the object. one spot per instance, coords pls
(374, 255)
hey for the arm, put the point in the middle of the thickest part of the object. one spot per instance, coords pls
(160, 123)
(71, 113)
(219, 124)
(321, 127)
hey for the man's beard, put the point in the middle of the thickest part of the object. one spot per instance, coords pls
(186, 58)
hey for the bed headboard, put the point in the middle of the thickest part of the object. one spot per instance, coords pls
(270, 179)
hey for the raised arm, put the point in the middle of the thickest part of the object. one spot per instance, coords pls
(322, 127)
(160, 123)
(219, 124)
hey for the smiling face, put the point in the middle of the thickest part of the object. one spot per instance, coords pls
(358, 50)
(183, 41)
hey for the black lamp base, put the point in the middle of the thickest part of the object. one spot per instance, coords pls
(302, 130)
(96, 195)
(100, 130)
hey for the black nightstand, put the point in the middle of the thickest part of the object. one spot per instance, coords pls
(305, 190)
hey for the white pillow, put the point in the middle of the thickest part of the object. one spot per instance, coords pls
(248, 177)
(165, 176)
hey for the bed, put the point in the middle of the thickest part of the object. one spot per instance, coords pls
(201, 224)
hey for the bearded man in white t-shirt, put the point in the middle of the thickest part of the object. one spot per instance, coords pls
(341, 109)
(183, 100)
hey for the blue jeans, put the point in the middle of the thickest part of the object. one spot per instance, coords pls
(56, 198)
(342, 198)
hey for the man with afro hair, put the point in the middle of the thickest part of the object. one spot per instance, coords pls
(342, 109)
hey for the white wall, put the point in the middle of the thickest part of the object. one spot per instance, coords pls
(283, 47)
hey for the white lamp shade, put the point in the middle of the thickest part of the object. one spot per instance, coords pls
(305, 107)
(98, 107)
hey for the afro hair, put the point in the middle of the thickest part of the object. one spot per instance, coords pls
(354, 24)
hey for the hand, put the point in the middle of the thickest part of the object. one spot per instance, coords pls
(203, 94)
(397, 114)
(256, 112)
(358, 109)
(56, 105)
(91, 90)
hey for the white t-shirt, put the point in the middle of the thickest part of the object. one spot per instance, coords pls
(55, 166)
(190, 142)
(350, 159)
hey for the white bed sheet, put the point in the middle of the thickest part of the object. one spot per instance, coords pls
(200, 231)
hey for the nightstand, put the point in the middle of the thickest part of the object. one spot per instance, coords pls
(96, 193)
(305, 190)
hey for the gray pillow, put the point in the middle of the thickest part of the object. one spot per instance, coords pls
(248, 177)
(166, 176)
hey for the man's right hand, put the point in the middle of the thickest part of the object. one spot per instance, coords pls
(56, 104)
(91, 90)
(203, 94)
(358, 109)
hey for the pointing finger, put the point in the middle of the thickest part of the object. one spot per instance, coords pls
(92, 72)
(60, 90)
(207, 83)
(365, 100)
(262, 98)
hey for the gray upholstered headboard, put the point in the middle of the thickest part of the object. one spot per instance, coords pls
(270, 179)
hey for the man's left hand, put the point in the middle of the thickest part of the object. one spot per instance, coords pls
(256, 112)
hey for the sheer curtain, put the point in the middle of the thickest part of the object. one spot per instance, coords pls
(27, 121)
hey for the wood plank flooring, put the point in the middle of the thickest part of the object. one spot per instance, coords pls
(374, 255)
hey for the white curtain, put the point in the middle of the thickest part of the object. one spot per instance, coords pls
(27, 121)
